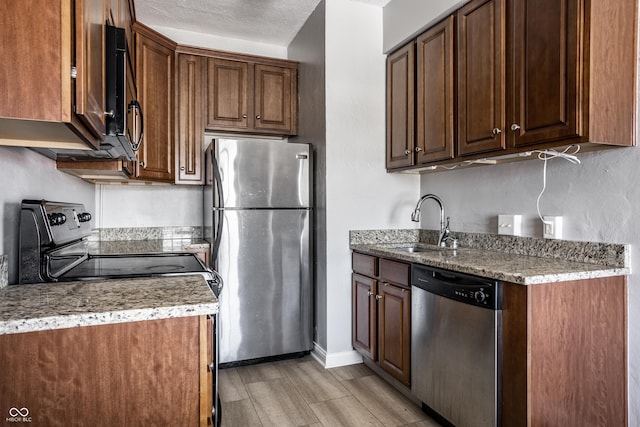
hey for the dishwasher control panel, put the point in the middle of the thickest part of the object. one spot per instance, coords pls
(466, 288)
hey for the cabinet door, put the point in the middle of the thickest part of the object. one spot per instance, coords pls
(435, 133)
(481, 74)
(227, 89)
(364, 316)
(35, 83)
(273, 93)
(394, 331)
(547, 70)
(155, 94)
(400, 107)
(207, 359)
(90, 82)
(137, 374)
(190, 121)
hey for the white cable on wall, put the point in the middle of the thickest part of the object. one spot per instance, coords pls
(549, 154)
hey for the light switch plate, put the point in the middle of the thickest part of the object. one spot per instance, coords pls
(510, 224)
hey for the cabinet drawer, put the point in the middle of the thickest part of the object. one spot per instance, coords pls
(394, 271)
(364, 264)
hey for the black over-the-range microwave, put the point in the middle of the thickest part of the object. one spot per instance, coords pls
(116, 106)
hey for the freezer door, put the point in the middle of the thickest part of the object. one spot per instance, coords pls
(266, 305)
(263, 173)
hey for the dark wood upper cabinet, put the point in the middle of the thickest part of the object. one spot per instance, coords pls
(547, 87)
(246, 95)
(42, 104)
(436, 101)
(529, 75)
(274, 99)
(155, 78)
(481, 77)
(90, 17)
(400, 107)
(190, 119)
(227, 94)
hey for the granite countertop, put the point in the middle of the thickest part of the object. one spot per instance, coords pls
(524, 261)
(46, 306)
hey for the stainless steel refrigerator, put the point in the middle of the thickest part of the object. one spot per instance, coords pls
(258, 217)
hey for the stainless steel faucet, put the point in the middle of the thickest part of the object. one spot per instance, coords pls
(444, 227)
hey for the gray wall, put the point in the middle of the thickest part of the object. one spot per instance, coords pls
(308, 47)
(25, 174)
(404, 19)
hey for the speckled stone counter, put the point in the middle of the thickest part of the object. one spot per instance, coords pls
(519, 260)
(39, 307)
(4, 271)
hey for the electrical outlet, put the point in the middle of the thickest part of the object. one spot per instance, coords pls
(552, 227)
(510, 224)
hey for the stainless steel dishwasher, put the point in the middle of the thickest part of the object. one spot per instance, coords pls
(455, 357)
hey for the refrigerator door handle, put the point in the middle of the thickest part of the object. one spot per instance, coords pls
(219, 213)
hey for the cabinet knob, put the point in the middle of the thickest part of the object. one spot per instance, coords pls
(378, 297)
(110, 114)
(141, 164)
(258, 117)
(495, 132)
(515, 127)
(407, 152)
(418, 149)
(182, 168)
(370, 293)
(244, 116)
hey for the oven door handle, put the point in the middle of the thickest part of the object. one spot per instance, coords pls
(53, 276)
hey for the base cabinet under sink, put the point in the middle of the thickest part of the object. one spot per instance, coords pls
(382, 313)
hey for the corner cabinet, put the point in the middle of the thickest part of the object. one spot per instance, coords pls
(381, 310)
(138, 373)
(155, 78)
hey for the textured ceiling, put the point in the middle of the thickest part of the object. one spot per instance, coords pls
(266, 21)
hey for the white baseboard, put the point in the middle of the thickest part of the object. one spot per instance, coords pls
(333, 360)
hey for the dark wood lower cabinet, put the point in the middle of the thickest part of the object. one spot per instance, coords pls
(565, 354)
(394, 331)
(382, 314)
(139, 373)
(364, 316)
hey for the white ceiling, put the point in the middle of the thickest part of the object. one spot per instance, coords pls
(265, 21)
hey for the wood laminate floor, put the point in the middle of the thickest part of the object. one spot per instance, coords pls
(300, 392)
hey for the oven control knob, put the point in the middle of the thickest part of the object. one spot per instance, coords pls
(57, 218)
(480, 296)
(84, 217)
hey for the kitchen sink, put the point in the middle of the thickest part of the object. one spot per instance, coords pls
(420, 248)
